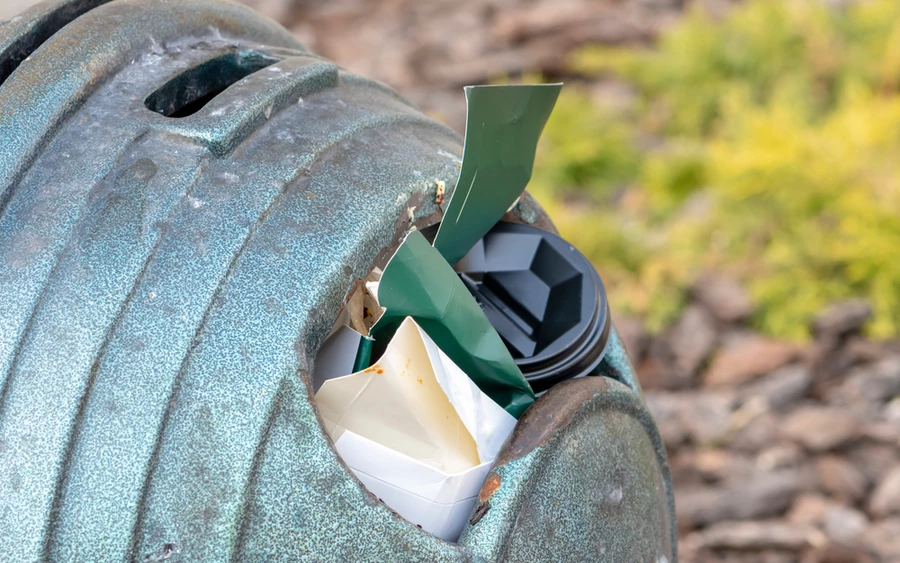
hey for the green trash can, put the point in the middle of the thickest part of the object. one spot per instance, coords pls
(187, 196)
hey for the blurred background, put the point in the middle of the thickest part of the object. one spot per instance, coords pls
(732, 168)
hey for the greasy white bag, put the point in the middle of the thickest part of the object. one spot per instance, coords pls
(416, 431)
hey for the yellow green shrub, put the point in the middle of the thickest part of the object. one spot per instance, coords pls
(765, 144)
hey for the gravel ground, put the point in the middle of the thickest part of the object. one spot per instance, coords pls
(779, 452)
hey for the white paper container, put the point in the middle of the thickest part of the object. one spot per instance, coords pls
(416, 431)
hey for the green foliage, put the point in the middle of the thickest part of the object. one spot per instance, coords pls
(592, 152)
(765, 144)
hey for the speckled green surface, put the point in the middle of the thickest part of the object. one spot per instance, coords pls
(596, 490)
(164, 284)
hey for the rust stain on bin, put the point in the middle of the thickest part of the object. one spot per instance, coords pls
(490, 487)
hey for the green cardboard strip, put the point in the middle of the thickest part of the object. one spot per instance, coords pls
(419, 283)
(363, 354)
(503, 125)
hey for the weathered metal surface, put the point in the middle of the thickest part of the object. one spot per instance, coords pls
(165, 283)
(27, 32)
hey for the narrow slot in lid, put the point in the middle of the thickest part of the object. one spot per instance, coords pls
(190, 91)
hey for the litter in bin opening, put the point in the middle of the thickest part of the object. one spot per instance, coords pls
(421, 426)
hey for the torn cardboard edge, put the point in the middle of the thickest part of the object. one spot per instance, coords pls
(348, 347)
(361, 310)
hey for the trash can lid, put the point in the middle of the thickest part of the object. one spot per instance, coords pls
(544, 298)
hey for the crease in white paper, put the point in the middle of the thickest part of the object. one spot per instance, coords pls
(416, 430)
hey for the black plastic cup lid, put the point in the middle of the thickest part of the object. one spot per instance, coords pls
(544, 298)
